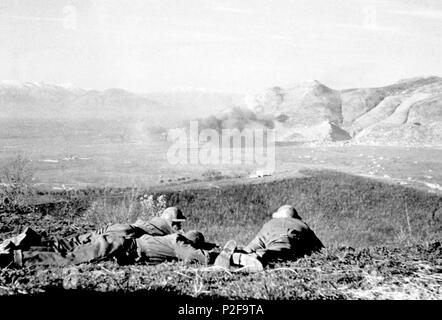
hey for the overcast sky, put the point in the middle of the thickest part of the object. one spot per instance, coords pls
(222, 45)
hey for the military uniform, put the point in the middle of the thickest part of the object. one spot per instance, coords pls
(100, 247)
(284, 238)
(172, 247)
(113, 241)
(155, 227)
(148, 249)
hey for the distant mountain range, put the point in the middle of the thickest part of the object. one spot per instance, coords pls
(406, 112)
(46, 101)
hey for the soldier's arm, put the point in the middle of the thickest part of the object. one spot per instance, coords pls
(314, 244)
(186, 252)
(258, 243)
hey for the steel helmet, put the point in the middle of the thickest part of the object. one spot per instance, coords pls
(198, 240)
(196, 237)
(173, 214)
(286, 211)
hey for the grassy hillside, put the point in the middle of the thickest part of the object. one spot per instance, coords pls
(396, 230)
(341, 208)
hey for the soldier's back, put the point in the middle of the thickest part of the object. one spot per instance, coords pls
(284, 226)
(155, 227)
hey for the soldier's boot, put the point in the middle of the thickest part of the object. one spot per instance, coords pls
(28, 237)
(6, 259)
(224, 258)
(18, 258)
(247, 262)
(11, 259)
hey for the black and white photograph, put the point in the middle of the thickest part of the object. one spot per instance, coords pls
(224, 156)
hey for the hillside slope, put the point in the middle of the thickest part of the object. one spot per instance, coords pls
(412, 115)
(382, 242)
(409, 111)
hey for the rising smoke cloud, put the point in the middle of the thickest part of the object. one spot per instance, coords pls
(236, 118)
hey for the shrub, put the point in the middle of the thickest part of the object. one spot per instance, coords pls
(151, 207)
(116, 209)
(16, 189)
(106, 210)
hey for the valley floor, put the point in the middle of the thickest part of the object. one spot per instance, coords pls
(104, 162)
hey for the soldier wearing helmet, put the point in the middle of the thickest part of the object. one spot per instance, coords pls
(169, 222)
(172, 216)
(285, 236)
(188, 247)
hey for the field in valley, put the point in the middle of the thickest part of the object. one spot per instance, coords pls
(81, 154)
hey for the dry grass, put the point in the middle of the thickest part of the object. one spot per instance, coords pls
(411, 272)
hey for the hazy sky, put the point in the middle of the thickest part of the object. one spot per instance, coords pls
(223, 45)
